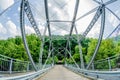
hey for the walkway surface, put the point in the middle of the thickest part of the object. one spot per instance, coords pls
(61, 73)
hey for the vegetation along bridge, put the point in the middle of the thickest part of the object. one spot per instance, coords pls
(59, 40)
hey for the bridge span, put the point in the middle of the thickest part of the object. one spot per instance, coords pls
(61, 73)
(53, 22)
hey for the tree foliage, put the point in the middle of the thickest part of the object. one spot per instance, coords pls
(14, 47)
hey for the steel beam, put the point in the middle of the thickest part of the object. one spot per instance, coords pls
(80, 50)
(109, 2)
(73, 59)
(117, 25)
(47, 58)
(47, 16)
(48, 25)
(92, 23)
(48, 22)
(72, 26)
(113, 13)
(97, 1)
(91, 11)
(8, 8)
(22, 26)
(100, 36)
(42, 47)
(29, 14)
(113, 31)
(74, 17)
(67, 44)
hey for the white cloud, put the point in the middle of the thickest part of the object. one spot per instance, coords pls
(5, 4)
(60, 14)
(2, 29)
(29, 30)
(63, 32)
(11, 28)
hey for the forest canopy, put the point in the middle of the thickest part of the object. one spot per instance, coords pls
(14, 47)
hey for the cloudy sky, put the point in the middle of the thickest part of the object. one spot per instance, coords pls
(58, 10)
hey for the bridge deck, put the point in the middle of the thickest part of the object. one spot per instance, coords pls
(61, 73)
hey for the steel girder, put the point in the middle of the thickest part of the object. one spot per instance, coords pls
(8, 8)
(47, 16)
(31, 18)
(74, 17)
(117, 25)
(100, 36)
(80, 49)
(71, 30)
(48, 25)
(92, 23)
(89, 12)
(22, 26)
(100, 10)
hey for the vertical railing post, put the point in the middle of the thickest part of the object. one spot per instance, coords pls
(109, 64)
(93, 66)
(28, 66)
(11, 64)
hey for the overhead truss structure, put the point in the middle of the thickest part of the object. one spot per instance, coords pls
(100, 11)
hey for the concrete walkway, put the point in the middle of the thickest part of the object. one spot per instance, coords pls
(61, 73)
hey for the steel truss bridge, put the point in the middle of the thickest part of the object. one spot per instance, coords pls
(33, 70)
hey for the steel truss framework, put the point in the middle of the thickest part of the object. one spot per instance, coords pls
(100, 11)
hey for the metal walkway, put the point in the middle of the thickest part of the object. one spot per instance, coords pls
(61, 73)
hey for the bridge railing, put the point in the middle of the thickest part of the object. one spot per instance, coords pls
(108, 69)
(10, 65)
(108, 64)
(28, 76)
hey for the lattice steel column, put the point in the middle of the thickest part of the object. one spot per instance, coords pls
(100, 36)
(92, 23)
(22, 26)
(31, 19)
